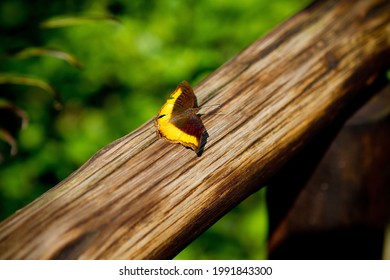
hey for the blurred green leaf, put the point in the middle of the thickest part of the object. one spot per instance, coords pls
(29, 81)
(12, 119)
(7, 137)
(6, 105)
(65, 21)
(31, 52)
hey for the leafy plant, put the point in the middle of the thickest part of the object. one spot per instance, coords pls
(10, 111)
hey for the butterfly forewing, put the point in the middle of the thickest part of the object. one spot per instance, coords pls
(185, 97)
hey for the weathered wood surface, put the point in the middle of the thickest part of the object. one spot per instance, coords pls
(145, 198)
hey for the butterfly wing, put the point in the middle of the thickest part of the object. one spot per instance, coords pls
(180, 100)
(186, 129)
(177, 120)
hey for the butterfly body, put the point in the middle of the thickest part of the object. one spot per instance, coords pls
(178, 121)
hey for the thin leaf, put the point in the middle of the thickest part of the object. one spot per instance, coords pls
(30, 52)
(65, 21)
(6, 105)
(8, 138)
(28, 81)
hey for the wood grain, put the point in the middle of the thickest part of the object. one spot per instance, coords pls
(144, 198)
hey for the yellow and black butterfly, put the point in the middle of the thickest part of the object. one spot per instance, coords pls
(178, 121)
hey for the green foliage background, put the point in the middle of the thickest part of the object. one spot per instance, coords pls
(128, 69)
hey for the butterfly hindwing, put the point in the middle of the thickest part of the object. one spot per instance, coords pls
(191, 130)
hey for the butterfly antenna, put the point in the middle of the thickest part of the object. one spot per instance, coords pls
(214, 105)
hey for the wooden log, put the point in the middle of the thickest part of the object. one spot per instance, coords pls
(341, 210)
(144, 198)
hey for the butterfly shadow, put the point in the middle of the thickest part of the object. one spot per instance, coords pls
(205, 135)
(202, 144)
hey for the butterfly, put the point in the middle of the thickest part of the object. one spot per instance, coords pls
(178, 121)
